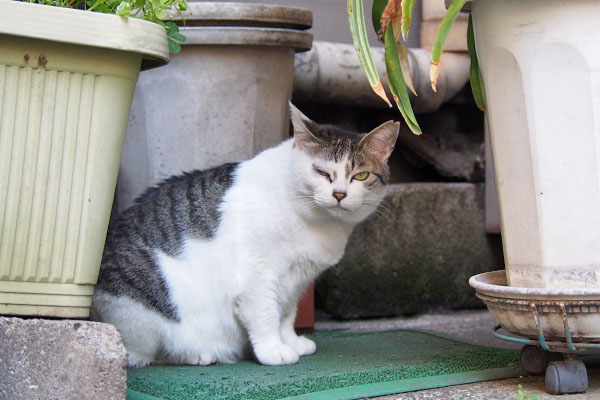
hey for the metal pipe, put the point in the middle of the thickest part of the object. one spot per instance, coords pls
(331, 73)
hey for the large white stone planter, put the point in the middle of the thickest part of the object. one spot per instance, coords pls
(66, 84)
(228, 90)
(541, 71)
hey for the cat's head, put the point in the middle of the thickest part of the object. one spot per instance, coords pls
(341, 174)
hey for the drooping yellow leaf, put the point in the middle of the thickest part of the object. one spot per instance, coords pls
(405, 65)
(397, 26)
(378, 89)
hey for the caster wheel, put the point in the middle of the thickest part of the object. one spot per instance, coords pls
(569, 376)
(532, 360)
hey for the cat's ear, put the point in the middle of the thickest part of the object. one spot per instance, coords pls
(303, 137)
(381, 141)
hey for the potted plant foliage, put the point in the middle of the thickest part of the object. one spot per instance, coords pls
(66, 83)
(541, 73)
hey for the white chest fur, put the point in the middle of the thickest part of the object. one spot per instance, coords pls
(266, 218)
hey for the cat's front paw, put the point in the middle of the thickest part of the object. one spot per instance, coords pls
(304, 346)
(277, 355)
(202, 359)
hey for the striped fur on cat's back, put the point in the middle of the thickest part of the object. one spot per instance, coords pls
(182, 206)
(209, 266)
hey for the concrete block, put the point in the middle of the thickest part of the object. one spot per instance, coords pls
(436, 9)
(452, 143)
(61, 359)
(415, 255)
(457, 38)
(433, 11)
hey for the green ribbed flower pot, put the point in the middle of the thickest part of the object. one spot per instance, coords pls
(66, 84)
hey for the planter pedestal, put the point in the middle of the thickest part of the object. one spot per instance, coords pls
(229, 89)
(541, 71)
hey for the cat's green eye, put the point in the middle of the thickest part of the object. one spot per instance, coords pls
(361, 176)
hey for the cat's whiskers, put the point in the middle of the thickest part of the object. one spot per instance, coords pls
(307, 208)
(306, 203)
(382, 210)
(383, 214)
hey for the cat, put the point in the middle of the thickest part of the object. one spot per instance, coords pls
(208, 267)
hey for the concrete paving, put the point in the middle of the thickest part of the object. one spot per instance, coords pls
(475, 326)
(61, 359)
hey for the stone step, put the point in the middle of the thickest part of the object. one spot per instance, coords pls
(61, 359)
(416, 254)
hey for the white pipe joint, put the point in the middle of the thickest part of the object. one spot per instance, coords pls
(331, 73)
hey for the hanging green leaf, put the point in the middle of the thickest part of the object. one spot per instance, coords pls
(174, 48)
(396, 81)
(440, 39)
(173, 31)
(356, 20)
(475, 72)
(376, 11)
(407, 10)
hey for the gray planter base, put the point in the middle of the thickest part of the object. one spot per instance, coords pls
(228, 88)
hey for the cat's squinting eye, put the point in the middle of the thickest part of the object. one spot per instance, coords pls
(323, 173)
(361, 176)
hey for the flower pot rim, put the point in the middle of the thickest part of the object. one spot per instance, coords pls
(495, 284)
(247, 36)
(208, 13)
(72, 26)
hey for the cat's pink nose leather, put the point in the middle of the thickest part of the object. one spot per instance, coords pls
(339, 195)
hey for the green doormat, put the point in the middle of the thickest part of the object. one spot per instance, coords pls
(345, 366)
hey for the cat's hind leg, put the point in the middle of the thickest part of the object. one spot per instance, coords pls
(139, 327)
(136, 360)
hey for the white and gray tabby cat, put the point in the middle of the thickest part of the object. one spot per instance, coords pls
(209, 266)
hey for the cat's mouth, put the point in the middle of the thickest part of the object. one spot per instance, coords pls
(338, 209)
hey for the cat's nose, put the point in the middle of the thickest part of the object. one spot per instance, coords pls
(339, 195)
